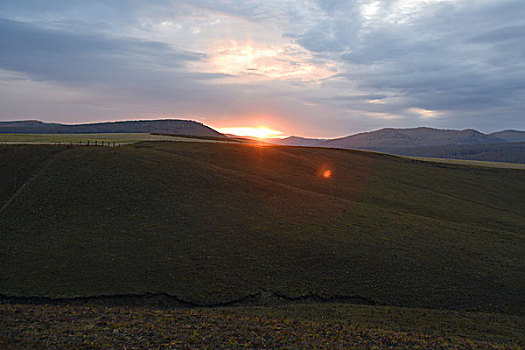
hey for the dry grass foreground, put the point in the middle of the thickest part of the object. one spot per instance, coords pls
(97, 327)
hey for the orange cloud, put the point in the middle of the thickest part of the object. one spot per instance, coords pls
(259, 61)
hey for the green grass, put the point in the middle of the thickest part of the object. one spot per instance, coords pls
(211, 223)
(471, 162)
(96, 327)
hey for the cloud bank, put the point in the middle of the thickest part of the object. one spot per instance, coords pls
(316, 68)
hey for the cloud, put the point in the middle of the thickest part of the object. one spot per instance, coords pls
(502, 34)
(329, 66)
(423, 113)
(53, 55)
(436, 59)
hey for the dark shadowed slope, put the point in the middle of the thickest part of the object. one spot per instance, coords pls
(213, 223)
(167, 126)
(18, 163)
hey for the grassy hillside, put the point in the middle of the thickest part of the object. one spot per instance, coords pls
(211, 223)
(512, 152)
(18, 163)
(480, 163)
(108, 139)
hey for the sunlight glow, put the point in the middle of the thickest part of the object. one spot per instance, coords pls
(259, 132)
(424, 113)
(368, 11)
(259, 61)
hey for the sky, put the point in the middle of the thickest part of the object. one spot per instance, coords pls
(316, 68)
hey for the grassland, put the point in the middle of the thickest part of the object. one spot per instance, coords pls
(471, 162)
(222, 221)
(216, 223)
(480, 327)
(117, 138)
(97, 327)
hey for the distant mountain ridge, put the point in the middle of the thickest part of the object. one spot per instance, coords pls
(403, 138)
(168, 126)
(416, 137)
(510, 135)
(506, 145)
(298, 141)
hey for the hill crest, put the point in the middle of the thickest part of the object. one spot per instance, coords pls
(506, 145)
(172, 126)
(412, 137)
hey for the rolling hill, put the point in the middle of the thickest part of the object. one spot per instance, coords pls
(165, 126)
(214, 224)
(297, 141)
(503, 146)
(509, 135)
(417, 137)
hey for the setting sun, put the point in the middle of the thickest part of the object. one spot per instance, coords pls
(259, 132)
